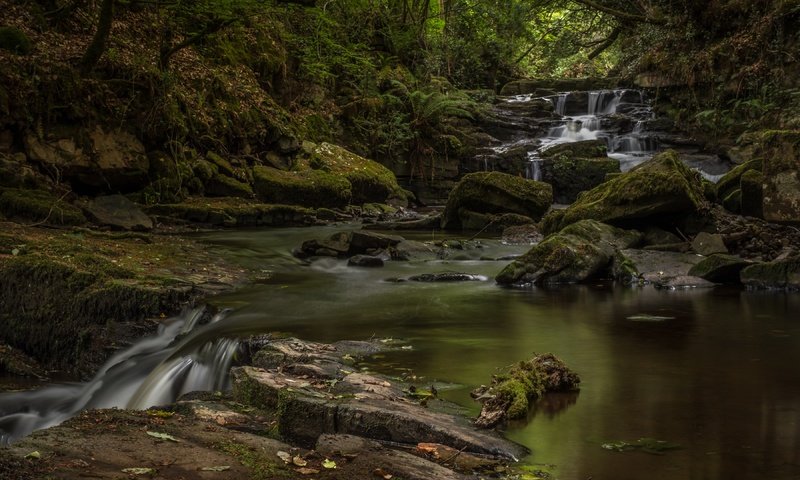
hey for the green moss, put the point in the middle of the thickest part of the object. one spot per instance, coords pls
(204, 170)
(731, 181)
(261, 465)
(39, 206)
(100, 266)
(234, 212)
(223, 166)
(14, 40)
(309, 188)
(752, 188)
(224, 186)
(777, 275)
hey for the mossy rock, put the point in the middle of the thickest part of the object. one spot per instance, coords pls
(234, 212)
(39, 206)
(309, 188)
(204, 170)
(495, 193)
(752, 188)
(658, 192)
(223, 166)
(781, 186)
(15, 41)
(370, 181)
(571, 175)
(489, 222)
(583, 149)
(582, 251)
(720, 268)
(732, 180)
(733, 202)
(776, 275)
(224, 186)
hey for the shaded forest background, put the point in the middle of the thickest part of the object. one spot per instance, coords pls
(398, 81)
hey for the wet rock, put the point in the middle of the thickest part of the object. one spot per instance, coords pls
(652, 266)
(775, 275)
(38, 207)
(581, 251)
(681, 282)
(658, 236)
(729, 187)
(490, 223)
(708, 244)
(495, 193)
(720, 268)
(661, 191)
(410, 250)
(309, 188)
(445, 277)
(347, 244)
(362, 241)
(522, 235)
(118, 212)
(582, 149)
(220, 185)
(570, 176)
(365, 261)
(752, 194)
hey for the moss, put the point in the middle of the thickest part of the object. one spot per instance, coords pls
(731, 181)
(752, 188)
(261, 465)
(777, 275)
(204, 170)
(719, 268)
(39, 206)
(100, 266)
(234, 212)
(15, 41)
(223, 166)
(309, 188)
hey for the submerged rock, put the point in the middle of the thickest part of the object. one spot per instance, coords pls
(365, 261)
(720, 268)
(117, 211)
(446, 277)
(781, 193)
(348, 244)
(708, 244)
(660, 192)
(581, 251)
(494, 193)
(775, 275)
(652, 266)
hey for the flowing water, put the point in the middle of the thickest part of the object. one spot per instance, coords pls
(714, 371)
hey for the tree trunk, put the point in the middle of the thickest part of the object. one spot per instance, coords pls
(98, 46)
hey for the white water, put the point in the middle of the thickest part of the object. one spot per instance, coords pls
(181, 358)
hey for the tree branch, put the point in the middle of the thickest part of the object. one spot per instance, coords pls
(622, 15)
(605, 43)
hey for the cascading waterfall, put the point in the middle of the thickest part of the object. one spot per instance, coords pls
(183, 357)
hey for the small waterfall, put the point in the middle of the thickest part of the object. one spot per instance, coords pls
(154, 371)
(534, 171)
(560, 103)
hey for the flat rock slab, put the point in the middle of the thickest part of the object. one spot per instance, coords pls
(655, 265)
(118, 212)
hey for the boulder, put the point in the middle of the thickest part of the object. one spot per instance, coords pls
(582, 251)
(348, 244)
(708, 244)
(445, 277)
(411, 250)
(365, 261)
(39, 207)
(682, 282)
(495, 193)
(752, 196)
(661, 191)
(308, 188)
(731, 181)
(720, 268)
(220, 185)
(570, 176)
(522, 235)
(776, 275)
(781, 188)
(583, 149)
(118, 212)
(652, 266)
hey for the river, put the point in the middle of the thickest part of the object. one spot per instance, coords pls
(714, 371)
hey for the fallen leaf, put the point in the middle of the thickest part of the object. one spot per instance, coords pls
(328, 463)
(298, 460)
(34, 455)
(431, 448)
(139, 471)
(221, 468)
(285, 457)
(379, 472)
(163, 436)
(307, 471)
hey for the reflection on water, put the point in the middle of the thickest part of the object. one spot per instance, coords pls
(714, 370)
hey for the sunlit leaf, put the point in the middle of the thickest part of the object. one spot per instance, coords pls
(163, 436)
(328, 463)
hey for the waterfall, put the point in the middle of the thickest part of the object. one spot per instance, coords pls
(182, 357)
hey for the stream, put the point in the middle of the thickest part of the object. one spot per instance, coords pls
(713, 371)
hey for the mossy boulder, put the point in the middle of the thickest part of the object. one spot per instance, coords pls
(582, 251)
(224, 186)
(583, 149)
(660, 191)
(233, 212)
(752, 194)
(731, 182)
(309, 188)
(776, 275)
(38, 206)
(494, 193)
(720, 268)
(570, 176)
(370, 181)
(15, 41)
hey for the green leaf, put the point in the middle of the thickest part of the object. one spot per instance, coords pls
(328, 463)
(139, 471)
(221, 468)
(34, 455)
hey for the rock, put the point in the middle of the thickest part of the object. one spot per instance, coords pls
(583, 149)
(38, 206)
(661, 191)
(118, 212)
(581, 251)
(233, 212)
(446, 277)
(368, 406)
(490, 223)
(752, 194)
(776, 275)
(681, 282)
(570, 176)
(658, 236)
(720, 268)
(120, 159)
(309, 188)
(495, 193)
(708, 244)
(362, 241)
(521, 87)
(411, 250)
(522, 235)
(781, 194)
(401, 464)
(347, 244)
(365, 261)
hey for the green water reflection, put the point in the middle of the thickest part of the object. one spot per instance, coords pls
(717, 373)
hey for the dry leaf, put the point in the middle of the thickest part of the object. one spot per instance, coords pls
(221, 468)
(285, 457)
(298, 460)
(163, 436)
(307, 471)
(379, 472)
(429, 448)
(139, 471)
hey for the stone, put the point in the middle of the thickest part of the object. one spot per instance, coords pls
(659, 236)
(582, 149)
(661, 192)
(570, 176)
(580, 252)
(522, 235)
(708, 244)
(776, 275)
(38, 207)
(495, 193)
(412, 250)
(445, 277)
(682, 282)
(365, 261)
(120, 159)
(308, 188)
(361, 241)
(220, 185)
(720, 268)
(651, 266)
(118, 212)
(752, 196)
(731, 181)
(781, 188)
